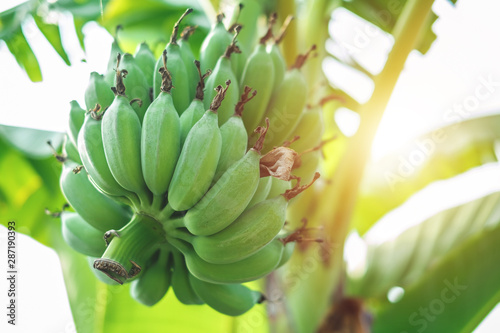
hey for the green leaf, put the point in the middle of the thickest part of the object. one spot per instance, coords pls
(11, 19)
(20, 49)
(53, 34)
(442, 153)
(454, 295)
(32, 142)
(402, 260)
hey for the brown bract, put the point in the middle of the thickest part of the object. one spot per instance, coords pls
(278, 163)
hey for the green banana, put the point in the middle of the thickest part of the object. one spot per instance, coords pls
(278, 186)
(262, 191)
(250, 232)
(146, 62)
(247, 15)
(198, 159)
(310, 129)
(278, 60)
(154, 283)
(188, 57)
(229, 299)
(98, 91)
(221, 73)
(214, 44)
(76, 117)
(286, 106)
(70, 151)
(234, 136)
(98, 210)
(309, 163)
(91, 149)
(196, 109)
(136, 85)
(258, 74)
(121, 136)
(81, 236)
(287, 254)
(251, 268)
(229, 196)
(178, 71)
(180, 281)
(160, 139)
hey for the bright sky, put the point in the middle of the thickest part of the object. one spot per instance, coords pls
(447, 84)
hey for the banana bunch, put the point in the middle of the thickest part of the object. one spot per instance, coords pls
(180, 171)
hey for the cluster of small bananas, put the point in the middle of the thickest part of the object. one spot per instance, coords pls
(165, 175)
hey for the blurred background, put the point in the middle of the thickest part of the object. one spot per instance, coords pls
(452, 84)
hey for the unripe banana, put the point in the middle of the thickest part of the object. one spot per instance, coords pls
(196, 109)
(214, 44)
(121, 136)
(309, 163)
(278, 186)
(310, 129)
(278, 60)
(258, 74)
(98, 92)
(136, 85)
(81, 236)
(234, 136)
(154, 283)
(188, 57)
(286, 106)
(180, 282)
(178, 71)
(287, 254)
(160, 139)
(250, 232)
(91, 149)
(70, 151)
(229, 196)
(247, 15)
(98, 210)
(262, 191)
(76, 117)
(221, 73)
(146, 62)
(229, 299)
(198, 159)
(251, 268)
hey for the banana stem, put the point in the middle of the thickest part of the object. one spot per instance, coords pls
(158, 202)
(165, 213)
(182, 246)
(129, 251)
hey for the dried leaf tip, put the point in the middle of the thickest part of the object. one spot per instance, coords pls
(269, 33)
(119, 88)
(302, 58)
(166, 78)
(262, 136)
(219, 97)
(175, 31)
(58, 157)
(233, 48)
(188, 31)
(238, 109)
(297, 189)
(200, 87)
(283, 29)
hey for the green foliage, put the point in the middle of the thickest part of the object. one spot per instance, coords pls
(454, 295)
(444, 152)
